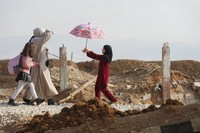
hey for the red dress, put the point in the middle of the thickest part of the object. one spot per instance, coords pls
(103, 77)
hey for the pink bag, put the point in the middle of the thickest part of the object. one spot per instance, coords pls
(14, 65)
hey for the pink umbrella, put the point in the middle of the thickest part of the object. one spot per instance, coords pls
(87, 31)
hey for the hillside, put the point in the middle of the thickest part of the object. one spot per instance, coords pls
(132, 81)
(134, 78)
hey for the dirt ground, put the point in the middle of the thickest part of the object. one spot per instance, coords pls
(131, 81)
(95, 112)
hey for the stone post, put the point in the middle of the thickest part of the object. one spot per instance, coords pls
(71, 56)
(166, 66)
(63, 68)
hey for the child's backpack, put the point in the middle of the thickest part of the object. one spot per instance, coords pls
(14, 65)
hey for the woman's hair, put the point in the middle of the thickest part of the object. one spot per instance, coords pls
(29, 50)
(108, 54)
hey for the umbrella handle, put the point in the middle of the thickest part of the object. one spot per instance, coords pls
(86, 42)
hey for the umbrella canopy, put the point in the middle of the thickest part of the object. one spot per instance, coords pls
(88, 31)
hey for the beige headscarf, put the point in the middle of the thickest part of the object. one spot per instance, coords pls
(38, 32)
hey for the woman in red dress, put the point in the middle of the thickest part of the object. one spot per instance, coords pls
(103, 73)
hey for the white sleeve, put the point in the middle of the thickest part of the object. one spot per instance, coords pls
(43, 39)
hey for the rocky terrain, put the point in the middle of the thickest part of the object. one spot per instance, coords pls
(132, 82)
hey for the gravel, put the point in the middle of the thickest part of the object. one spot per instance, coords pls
(14, 114)
(24, 113)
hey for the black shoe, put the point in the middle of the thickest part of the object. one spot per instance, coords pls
(27, 101)
(51, 101)
(12, 102)
(39, 101)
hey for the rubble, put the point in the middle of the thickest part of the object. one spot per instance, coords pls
(80, 113)
(137, 83)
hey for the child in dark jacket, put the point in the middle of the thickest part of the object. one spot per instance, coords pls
(24, 77)
(103, 72)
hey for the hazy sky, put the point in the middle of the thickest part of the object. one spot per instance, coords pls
(136, 29)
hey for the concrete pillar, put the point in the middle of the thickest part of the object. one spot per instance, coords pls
(166, 66)
(63, 68)
(71, 56)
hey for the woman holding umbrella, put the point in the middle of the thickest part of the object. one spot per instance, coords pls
(103, 72)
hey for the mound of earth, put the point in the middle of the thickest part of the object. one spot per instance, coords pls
(91, 111)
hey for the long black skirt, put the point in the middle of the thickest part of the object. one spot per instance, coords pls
(23, 76)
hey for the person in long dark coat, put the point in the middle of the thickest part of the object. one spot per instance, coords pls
(103, 72)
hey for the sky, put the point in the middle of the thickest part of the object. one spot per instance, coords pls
(136, 29)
